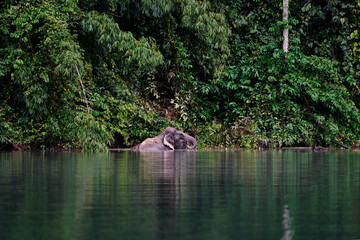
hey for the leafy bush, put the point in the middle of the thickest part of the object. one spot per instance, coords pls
(90, 73)
(294, 98)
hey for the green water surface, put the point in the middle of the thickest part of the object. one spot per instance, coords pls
(180, 195)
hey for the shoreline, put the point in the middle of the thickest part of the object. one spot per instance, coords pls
(314, 148)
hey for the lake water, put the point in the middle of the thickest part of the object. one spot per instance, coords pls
(180, 195)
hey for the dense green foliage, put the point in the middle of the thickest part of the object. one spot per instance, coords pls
(91, 73)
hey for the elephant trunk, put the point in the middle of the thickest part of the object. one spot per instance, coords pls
(191, 140)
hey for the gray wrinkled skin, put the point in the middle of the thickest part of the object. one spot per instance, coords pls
(169, 139)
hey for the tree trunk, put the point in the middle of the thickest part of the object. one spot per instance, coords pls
(286, 31)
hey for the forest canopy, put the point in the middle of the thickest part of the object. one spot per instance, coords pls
(89, 74)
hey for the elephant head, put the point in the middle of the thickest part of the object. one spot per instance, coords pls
(169, 139)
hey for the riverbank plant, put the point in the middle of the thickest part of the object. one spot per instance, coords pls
(91, 74)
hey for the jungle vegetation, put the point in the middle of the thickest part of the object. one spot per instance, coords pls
(89, 74)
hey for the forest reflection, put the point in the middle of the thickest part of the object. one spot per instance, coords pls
(180, 195)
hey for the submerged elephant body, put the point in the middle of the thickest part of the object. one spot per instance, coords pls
(169, 139)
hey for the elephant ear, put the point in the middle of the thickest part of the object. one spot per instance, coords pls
(166, 143)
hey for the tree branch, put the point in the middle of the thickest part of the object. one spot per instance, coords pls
(341, 145)
(82, 86)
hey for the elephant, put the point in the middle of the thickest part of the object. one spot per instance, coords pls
(169, 139)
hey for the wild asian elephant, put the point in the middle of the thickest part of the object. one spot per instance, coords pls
(169, 139)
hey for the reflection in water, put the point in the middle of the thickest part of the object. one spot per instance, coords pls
(286, 224)
(170, 170)
(180, 195)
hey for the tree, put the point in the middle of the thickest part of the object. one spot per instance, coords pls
(286, 30)
(80, 72)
